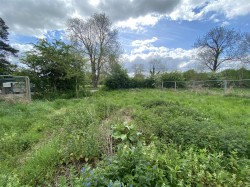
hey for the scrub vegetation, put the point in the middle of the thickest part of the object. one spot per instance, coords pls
(134, 137)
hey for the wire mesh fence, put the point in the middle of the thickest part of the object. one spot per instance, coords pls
(233, 87)
(15, 87)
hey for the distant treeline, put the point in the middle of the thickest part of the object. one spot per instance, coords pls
(122, 80)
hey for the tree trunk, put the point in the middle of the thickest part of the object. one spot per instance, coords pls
(94, 80)
(94, 76)
(215, 65)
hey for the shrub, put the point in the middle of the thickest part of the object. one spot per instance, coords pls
(120, 82)
(214, 81)
(117, 80)
(142, 83)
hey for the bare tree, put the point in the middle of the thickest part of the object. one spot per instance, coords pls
(217, 46)
(96, 38)
(138, 71)
(155, 67)
(244, 50)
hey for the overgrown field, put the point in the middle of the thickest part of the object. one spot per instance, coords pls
(127, 138)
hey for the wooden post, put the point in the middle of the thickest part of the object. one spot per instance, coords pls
(175, 85)
(225, 86)
(27, 83)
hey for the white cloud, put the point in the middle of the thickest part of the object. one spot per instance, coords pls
(94, 2)
(188, 10)
(22, 47)
(230, 8)
(137, 43)
(198, 9)
(173, 59)
(37, 17)
(138, 24)
(225, 23)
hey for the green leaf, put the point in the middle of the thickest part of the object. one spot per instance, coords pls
(123, 137)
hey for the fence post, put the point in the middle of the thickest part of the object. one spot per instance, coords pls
(225, 86)
(162, 84)
(175, 85)
(28, 94)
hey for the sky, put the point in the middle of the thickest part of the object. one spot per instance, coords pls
(149, 30)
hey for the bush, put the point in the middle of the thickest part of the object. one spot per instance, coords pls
(121, 81)
(214, 81)
(142, 83)
(117, 81)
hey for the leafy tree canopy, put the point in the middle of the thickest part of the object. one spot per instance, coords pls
(5, 49)
(56, 65)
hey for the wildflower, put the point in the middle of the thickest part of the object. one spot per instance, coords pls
(91, 171)
(82, 170)
(110, 184)
(87, 184)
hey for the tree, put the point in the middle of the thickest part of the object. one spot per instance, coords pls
(57, 66)
(97, 40)
(5, 49)
(156, 67)
(217, 46)
(245, 48)
(138, 71)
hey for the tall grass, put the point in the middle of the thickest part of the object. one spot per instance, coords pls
(47, 143)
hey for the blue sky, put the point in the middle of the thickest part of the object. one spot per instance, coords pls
(163, 30)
